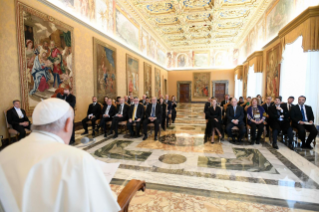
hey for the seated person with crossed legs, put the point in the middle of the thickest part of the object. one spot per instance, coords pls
(93, 114)
(279, 120)
(235, 118)
(107, 113)
(153, 115)
(255, 120)
(303, 119)
(266, 106)
(18, 119)
(213, 114)
(121, 115)
(135, 115)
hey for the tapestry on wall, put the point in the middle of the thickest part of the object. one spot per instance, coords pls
(104, 69)
(201, 84)
(273, 72)
(158, 83)
(46, 55)
(245, 79)
(148, 80)
(132, 75)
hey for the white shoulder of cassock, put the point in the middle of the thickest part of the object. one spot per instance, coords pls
(46, 175)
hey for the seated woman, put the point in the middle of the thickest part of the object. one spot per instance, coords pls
(213, 115)
(255, 119)
(174, 105)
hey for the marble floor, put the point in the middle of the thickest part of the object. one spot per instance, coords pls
(184, 174)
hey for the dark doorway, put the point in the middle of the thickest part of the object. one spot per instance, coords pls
(184, 93)
(220, 91)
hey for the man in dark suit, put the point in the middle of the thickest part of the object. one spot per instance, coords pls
(121, 115)
(241, 101)
(169, 108)
(235, 117)
(153, 115)
(279, 120)
(266, 107)
(135, 115)
(225, 101)
(108, 112)
(69, 98)
(18, 119)
(94, 113)
(143, 100)
(289, 104)
(303, 119)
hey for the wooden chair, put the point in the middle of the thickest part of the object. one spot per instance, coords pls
(151, 125)
(295, 132)
(128, 193)
(12, 132)
(97, 122)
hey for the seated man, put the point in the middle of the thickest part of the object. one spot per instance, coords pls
(152, 115)
(241, 101)
(235, 118)
(107, 113)
(147, 101)
(43, 173)
(135, 115)
(143, 100)
(93, 114)
(303, 119)
(289, 104)
(266, 107)
(131, 100)
(225, 101)
(18, 119)
(279, 120)
(255, 116)
(121, 115)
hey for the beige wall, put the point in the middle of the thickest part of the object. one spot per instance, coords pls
(187, 75)
(83, 54)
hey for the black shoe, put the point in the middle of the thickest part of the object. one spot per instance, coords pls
(252, 142)
(110, 133)
(291, 146)
(86, 132)
(115, 136)
(258, 142)
(105, 135)
(275, 146)
(138, 135)
(155, 138)
(145, 137)
(306, 146)
(267, 135)
(97, 129)
(239, 141)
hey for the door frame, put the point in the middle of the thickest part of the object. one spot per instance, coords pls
(220, 81)
(190, 89)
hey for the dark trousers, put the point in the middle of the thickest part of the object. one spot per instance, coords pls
(103, 123)
(85, 125)
(241, 127)
(163, 119)
(267, 126)
(137, 127)
(302, 133)
(211, 125)
(21, 130)
(285, 127)
(253, 129)
(173, 115)
(146, 122)
(115, 123)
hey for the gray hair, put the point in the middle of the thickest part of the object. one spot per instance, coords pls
(57, 126)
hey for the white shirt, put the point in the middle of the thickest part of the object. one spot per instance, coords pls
(19, 112)
(108, 110)
(44, 174)
(122, 108)
(304, 110)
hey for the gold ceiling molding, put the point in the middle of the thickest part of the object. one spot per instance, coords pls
(197, 5)
(239, 72)
(305, 25)
(236, 3)
(256, 59)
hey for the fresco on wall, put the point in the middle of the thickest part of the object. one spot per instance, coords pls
(181, 60)
(252, 41)
(105, 83)
(170, 61)
(144, 42)
(220, 58)
(201, 84)
(126, 30)
(158, 82)
(273, 72)
(278, 16)
(242, 52)
(235, 57)
(201, 59)
(46, 58)
(132, 75)
(161, 57)
(147, 79)
(260, 33)
(152, 47)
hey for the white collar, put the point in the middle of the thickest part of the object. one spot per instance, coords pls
(53, 136)
(17, 108)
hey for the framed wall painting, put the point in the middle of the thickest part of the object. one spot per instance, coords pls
(201, 83)
(147, 80)
(132, 75)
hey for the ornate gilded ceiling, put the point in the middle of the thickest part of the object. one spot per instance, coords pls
(196, 24)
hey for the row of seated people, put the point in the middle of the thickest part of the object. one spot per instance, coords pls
(275, 114)
(138, 112)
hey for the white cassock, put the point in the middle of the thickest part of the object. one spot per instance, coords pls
(44, 174)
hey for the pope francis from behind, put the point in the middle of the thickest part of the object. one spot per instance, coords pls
(42, 173)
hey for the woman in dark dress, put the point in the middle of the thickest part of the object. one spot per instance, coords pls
(214, 114)
(163, 110)
(174, 105)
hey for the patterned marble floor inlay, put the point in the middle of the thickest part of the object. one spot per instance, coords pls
(183, 173)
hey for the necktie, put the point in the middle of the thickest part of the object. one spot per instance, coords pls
(303, 114)
(289, 107)
(234, 111)
(153, 109)
(133, 117)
